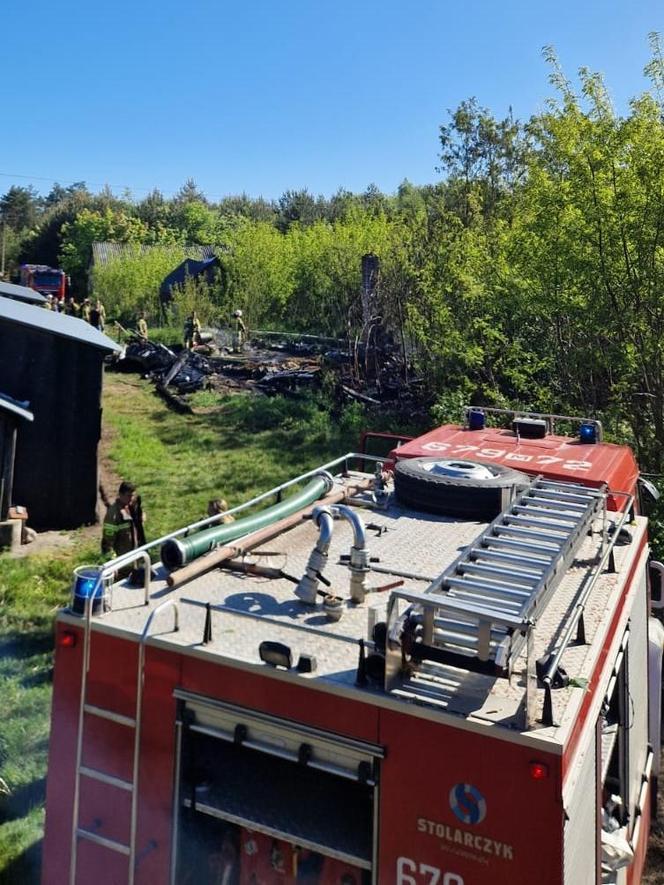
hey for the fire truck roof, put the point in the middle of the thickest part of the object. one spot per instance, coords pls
(560, 457)
(226, 614)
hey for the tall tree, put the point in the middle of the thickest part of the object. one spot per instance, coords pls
(19, 207)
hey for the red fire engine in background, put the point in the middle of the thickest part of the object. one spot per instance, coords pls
(439, 671)
(44, 279)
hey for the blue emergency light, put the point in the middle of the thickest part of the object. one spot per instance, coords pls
(476, 419)
(86, 585)
(588, 433)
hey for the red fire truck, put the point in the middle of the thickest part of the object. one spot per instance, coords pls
(441, 670)
(44, 279)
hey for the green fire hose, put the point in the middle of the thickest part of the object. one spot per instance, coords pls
(177, 552)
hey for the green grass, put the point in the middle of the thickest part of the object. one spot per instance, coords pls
(31, 590)
(242, 446)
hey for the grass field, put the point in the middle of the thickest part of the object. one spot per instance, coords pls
(233, 448)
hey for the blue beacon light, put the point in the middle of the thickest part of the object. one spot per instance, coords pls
(85, 580)
(588, 433)
(476, 419)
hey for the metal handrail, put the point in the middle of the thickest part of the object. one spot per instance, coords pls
(579, 608)
(128, 558)
(546, 416)
(140, 676)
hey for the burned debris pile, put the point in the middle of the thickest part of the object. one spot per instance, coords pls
(184, 372)
(280, 363)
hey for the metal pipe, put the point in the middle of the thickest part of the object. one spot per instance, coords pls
(210, 520)
(414, 576)
(176, 553)
(359, 555)
(307, 589)
(249, 542)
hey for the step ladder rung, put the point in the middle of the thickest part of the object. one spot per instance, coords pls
(487, 586)
(462, 628)
(548, 554)
(535, 509)
(506, 606)
(566, 486)
(537, 519)
(93, 710)
(564, 497)
(523, 579)
(467, 640)
(110, 779)
(537, 500)
(483, 554)
(120, 847)
(553, 539)
(466, 647)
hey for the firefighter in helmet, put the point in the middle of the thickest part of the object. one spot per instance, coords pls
(239, 332)
(192, 330)
(142, 326)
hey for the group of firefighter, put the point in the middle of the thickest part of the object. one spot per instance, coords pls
(92, 311)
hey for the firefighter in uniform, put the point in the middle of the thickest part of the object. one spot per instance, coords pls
(239, 332)
(98, 315)
(142, 327)
(119, 529)
(71, 308)
(85, 310)
(192, 330)
(218, 506)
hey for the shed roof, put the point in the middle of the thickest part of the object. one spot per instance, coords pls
(55, 323)
(21, 293)
(18, 408)
(102, 253)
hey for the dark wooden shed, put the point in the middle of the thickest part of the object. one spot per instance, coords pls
(12, 414)
(55, 363)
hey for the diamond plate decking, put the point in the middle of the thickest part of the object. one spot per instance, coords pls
(246, 610)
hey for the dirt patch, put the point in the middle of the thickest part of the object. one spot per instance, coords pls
(45, 542)
(109, 481)
(55, 542)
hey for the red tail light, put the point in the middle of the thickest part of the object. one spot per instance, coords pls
(67, 639)
(539, 771)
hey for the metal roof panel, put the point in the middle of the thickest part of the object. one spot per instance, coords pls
(55, 323)
(21, 293)
(18, 408)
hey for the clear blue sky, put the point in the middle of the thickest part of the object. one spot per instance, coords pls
(264, 95)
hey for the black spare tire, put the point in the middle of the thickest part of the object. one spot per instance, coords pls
(469, 489)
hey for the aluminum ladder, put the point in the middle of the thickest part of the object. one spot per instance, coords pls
(82, 771)
(477, 615)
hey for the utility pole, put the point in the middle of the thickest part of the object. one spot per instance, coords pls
(2, 259)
